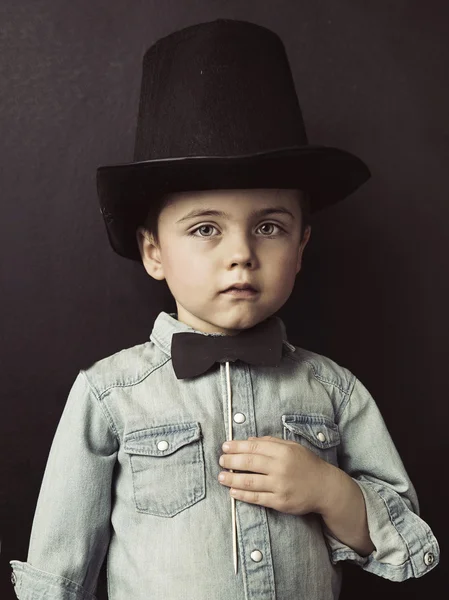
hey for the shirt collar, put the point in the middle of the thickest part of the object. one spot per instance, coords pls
(166, 324)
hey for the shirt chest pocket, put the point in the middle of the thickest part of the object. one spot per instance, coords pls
(318, 433)
(167, 468)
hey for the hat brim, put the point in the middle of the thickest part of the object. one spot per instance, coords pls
(124, 190)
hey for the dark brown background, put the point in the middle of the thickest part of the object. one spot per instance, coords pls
(371, 78)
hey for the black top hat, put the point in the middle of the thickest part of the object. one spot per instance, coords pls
(218, 110)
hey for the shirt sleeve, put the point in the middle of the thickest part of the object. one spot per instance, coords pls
(405, 546)
(71, 526)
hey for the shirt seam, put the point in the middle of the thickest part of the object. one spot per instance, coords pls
(346, 400)
(105, 412)
(100, 397)
(323, 380)
(136, 381)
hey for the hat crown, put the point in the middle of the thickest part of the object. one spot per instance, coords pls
(222, 88)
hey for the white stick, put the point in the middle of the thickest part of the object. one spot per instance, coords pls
(234, 522)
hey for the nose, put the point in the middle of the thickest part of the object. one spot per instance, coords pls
(240, 250)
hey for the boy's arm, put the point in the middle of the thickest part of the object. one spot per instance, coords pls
(344, 512)
(404, 544)
(71, 526)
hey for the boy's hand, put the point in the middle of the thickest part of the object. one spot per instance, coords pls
(283, 474)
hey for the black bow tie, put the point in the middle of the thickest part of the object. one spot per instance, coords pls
(193, 354)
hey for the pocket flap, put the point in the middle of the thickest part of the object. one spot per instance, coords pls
(319, 430)
(161, 440)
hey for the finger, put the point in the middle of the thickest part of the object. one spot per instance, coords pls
(247, 481)
(257, 463)
(267, 447)
(261, 498)
(273, 439)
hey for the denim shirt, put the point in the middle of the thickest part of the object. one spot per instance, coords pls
(157, 511)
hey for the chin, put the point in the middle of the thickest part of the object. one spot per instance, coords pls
(239, 323)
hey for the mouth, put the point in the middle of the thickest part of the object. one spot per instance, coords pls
(241, 291)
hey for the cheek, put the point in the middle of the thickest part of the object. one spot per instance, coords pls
(285, 258)
(180, 265)
(284, 276)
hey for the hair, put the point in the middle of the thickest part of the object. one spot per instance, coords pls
(151, 220)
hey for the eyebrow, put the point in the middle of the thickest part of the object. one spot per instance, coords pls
(219, 213)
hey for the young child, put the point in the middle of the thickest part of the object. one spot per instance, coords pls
(218, 197)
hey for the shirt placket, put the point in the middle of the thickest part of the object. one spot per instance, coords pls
(251, 534)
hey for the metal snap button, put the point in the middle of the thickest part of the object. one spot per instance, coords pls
(162, 445)
(239, 418)
(429, 558)
(320, 435)
(256, 555)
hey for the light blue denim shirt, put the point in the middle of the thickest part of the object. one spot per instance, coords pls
(157, 511)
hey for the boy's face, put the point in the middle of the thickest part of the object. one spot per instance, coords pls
(202, 256)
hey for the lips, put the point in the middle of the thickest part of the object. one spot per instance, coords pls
(240, 286)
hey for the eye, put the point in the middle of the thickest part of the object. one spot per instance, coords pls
(199, 228)
(272, 225)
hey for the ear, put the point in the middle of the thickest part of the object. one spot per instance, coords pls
(303, 244)
(150, 254)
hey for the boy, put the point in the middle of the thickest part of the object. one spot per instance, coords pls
(217, 200)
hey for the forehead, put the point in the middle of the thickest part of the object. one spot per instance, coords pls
(181, 201)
